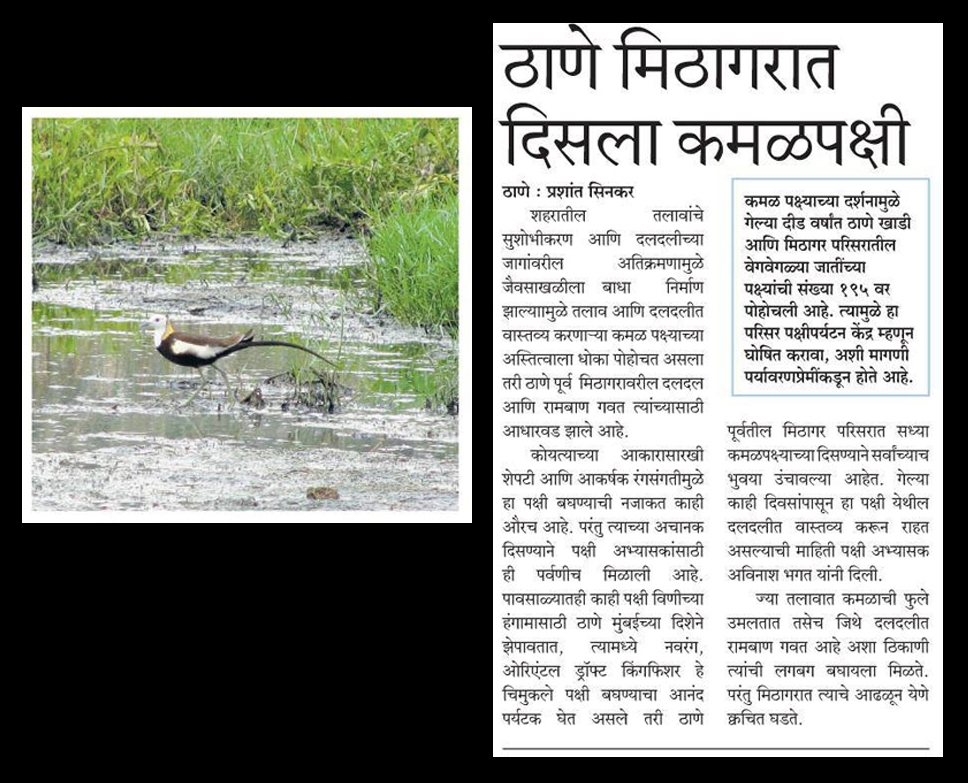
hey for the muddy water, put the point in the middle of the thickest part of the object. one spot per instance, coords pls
(111, 427)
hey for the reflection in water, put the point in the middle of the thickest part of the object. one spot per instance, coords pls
(97, 376)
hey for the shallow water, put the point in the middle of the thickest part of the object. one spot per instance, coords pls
(111, 428)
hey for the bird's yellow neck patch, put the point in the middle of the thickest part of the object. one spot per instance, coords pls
(169, 329)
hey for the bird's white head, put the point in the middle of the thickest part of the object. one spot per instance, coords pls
(159, 325)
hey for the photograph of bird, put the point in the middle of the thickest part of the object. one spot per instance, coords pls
(197, 351)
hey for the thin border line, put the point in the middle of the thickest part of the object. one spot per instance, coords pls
(807, 748)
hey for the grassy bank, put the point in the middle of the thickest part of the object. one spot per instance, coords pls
(99, 180)
(414, 269)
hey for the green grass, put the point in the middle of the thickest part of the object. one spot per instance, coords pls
(414, 269)
(95, 180)
(395, 180)
(446, 386)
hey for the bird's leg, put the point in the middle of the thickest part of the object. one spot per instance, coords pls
(204, 383)
(228, 386)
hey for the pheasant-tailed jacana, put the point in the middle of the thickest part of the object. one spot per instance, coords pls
(193, 350)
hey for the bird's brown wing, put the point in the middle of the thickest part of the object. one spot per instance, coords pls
(221, 342)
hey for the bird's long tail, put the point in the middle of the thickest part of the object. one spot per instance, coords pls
(242, 345)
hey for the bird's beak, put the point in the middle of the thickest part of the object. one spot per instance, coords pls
(147, 325)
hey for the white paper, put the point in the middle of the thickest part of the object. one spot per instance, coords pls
(718, 389)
